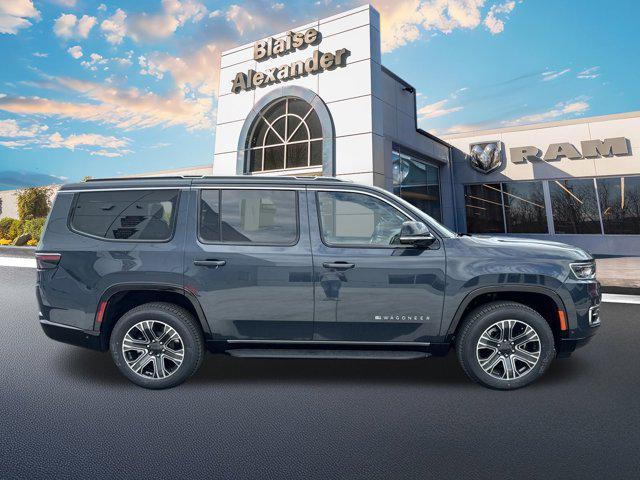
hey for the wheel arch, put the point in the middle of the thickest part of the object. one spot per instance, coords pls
(544, 300)
(118, 299)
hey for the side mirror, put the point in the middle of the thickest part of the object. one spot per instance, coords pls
(416, 233)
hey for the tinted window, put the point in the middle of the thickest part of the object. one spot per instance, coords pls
(574, 205)
(483, 205)
(417, 182)
(358, 219)
(126, 214)
(620, 205)
(249, 216)
(524, 207)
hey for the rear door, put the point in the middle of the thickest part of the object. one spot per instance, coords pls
(369, 288)
(248, 259)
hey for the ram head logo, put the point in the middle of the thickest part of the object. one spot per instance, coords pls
(486, 156)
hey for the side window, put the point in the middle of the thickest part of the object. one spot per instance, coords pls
(264, 217)
(357, 219)
(126, 214)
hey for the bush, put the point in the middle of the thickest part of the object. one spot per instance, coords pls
(5, 241)
(15, 230)
(5, 225)
(34, 228)
(33, 202)
(32, 243)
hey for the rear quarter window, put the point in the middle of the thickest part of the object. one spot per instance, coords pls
(126, 215)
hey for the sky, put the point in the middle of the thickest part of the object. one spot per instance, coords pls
(108, 88)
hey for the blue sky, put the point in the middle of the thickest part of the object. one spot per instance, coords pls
(118, 87)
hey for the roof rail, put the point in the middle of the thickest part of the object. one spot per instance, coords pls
(186, 177)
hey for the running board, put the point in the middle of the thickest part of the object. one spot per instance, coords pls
(343, 354)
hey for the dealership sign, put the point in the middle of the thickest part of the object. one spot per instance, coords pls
(556, 151)
(271, 48)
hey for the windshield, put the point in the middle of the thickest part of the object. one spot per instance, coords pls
(441, 229)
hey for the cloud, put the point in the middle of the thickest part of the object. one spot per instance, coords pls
(277, 6)
(95, 59)
(36, 135)
(493, 22)
(14, 15)
(570, 108)
(404, 21)
(11, 129)
(75, 51)
(589, 73)
(64, 3)
(437, 109)
(194, 72)
(552, 75)
(56, 140)
(102, 7)
(67, 25)
(242, 19)
(40, 54)
(174, 14)
(108, 153)
(114, 28)
(126, 108)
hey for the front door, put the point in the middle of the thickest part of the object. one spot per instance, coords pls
(368, 287)
(249, 262)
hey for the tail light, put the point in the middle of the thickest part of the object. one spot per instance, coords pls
(45, 261)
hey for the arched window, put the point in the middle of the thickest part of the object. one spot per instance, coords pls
(286, 134)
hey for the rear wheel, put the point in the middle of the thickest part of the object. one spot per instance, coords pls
(157, 345)
(505, 345)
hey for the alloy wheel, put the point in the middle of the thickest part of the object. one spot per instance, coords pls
(153, 349)
(508, 349)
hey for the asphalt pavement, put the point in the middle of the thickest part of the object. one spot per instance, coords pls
(66, 412)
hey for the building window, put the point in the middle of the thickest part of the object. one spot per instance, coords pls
(262, 217)
(287, 134)
(575, 206)
(126, 215)
(620, 205)
(483, 205)
(355, 219)
(524, 207)
(417, 182)
(514, 207)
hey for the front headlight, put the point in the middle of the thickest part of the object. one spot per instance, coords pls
(584, 270)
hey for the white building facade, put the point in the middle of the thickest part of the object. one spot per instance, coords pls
(322, 104)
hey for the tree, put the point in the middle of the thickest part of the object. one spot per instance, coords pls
(33, 202)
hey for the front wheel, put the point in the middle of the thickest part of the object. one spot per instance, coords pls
(157, 345)
(505, 345)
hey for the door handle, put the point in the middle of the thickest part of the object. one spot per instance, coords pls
(339, 265)
(210, 263)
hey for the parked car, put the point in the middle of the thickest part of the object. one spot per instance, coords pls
(158, 270)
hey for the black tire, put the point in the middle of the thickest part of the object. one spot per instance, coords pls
(182, 322)
(481, 319)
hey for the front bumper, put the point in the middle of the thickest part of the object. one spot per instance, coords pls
(71, 335)
(585, 297)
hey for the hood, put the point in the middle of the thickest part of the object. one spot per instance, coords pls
(524, 247)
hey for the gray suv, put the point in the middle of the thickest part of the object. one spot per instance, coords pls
(158, 270)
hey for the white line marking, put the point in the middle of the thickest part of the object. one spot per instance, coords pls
(616, 298)
(18, 262)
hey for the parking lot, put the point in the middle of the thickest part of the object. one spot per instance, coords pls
(67, 413)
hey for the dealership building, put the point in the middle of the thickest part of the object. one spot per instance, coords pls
(317, 101)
